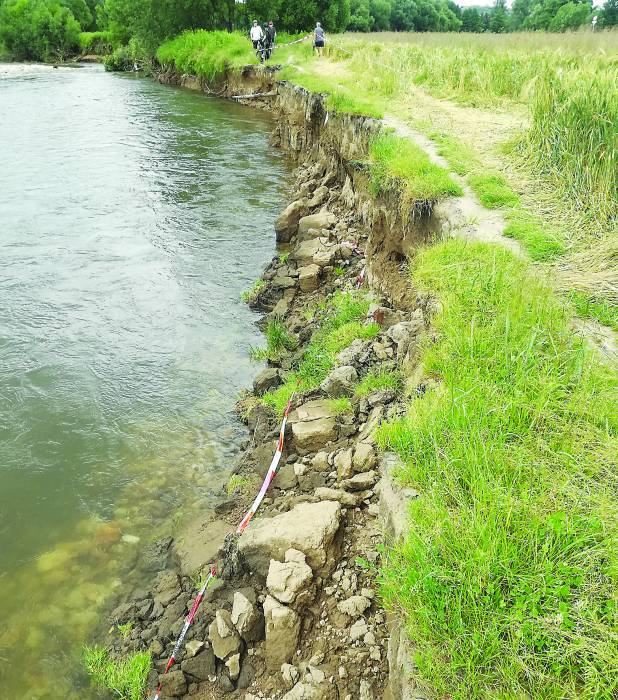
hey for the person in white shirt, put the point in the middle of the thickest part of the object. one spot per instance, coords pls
(256, 34)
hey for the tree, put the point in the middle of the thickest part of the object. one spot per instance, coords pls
(381, 13)
(609, 14)
(361, 19)
(570, 16)
(471, 20)
(499, 18)
(520, 11)
(38, 29)
(80, 11)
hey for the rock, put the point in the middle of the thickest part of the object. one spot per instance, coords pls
(247, 618)
(404, 332)
(193, 647)
(201, 666)
(365, 691)
(309, 527)
(173, 684)
(233, 666)
(323, 493)
(317, 250)
(310, 436)
(361, 482)
(308, 277)
(167, 588)
(343, 463)
(283, 282)
(358, 630)
(289, 581)
(340, 382)
(320, 462)
(365, 458)
(286, 477)
(310, 234)
(319, 197)
(246, 676)
(384, 316)
(290, 675)
(282, 630)
(281, 308)
(354, 606)
(355, 354)
(287, 222)
(223, 636)
(322, 219)
(267, 379)
(309, 691)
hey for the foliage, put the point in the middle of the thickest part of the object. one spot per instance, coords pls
(340, 405)
(609, 14)
(39, 30)
(471, 20)
(125, 629)
(376, 380)
(396, 161)
(341, 323)
(508, 575)
(493, 191)
(602, 311)
(121, 59)
(236, 482)
(126, 678)
(540, 242)
(98, 43)
(278, 342)
(250, 295)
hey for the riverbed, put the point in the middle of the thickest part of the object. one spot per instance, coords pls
(132, 216)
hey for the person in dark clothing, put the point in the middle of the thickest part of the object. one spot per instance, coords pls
(269, 38)
(318, 39)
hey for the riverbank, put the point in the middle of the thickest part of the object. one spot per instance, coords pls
(406, 363)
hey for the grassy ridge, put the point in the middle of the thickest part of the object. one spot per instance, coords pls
(509, 573)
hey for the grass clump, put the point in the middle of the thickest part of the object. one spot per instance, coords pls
(126, 678)
(541, 243)
(250, 295)
(340, 405)
(278, 342)
(125, 629)
(206, 54)
(493, 191)
(236, 482)
(460, 157)
(341, 324)
(586, 306)
(378, 379)
(397, 162)
(508, 574)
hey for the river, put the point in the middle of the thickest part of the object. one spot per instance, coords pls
(132, 216)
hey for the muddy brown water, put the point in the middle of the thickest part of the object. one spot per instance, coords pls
(132, 215)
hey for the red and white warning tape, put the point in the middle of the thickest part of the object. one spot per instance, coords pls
(270, 475)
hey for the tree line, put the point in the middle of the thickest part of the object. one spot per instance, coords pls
(50, 29)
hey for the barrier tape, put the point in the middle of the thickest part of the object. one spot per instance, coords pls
(185, 629)
(270, 475)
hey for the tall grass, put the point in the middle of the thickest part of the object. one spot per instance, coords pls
(508, 576)
(125, 678)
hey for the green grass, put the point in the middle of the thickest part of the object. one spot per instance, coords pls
(125, 629)
(460, 157)
(250, 295)
(378, 379)
(589, 307)
(340, 405)
(206, 54)
(278, 342)
(493, 191)
(508, 575)
(341, 324)
(95, 42)
(236, 482)
(125, 678)
(400, 163)
(541, 243)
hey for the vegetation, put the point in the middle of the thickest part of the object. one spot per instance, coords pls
(126, 678)
(508, 574)
(341, 323)
(251, 294)
(340, 405)
(587, 306)
(376, 380)
(278, 342)
(235, 483)
(398, 162)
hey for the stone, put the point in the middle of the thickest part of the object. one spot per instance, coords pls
(283, 282)
(343, 463)
(324, 493)
(223, 636)
(310, 234)
(193, 647)
(309, 527)
(361, 482)
(365, 458)
(313, 425)
(201, 666)
(289, 581)
(354, 606)
(233, 666)
(404, 332)
(320, 462)
(173, 684)
(319, 197)
(286, 477)
(167, 588)
(365, 691)
(321, 220)
(309, 277)
(282, 630)
(355, 353)
(384, 316)
(286, 223)
(247, 618)
(267, 379)
(246, 675)
(305, 252)
(340, 382)
(290, 675)
(309, 691)
(358, 630)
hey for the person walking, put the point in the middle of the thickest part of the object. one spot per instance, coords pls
(269, 39)
(256, 34)
(318, 39)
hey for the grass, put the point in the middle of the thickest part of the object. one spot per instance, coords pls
(460, 157)
(589, 307)
(95, 42)
(400, 163)
(540, 241)
(237, 482)
(493, 191)
(125, 629)
(340, 405)
(378, 379)
(508, 576)
(250, 295)
(126, 678)
(341, 323)
(278, 342)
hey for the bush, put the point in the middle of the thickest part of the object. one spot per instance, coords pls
(98, 43)
(120, 60)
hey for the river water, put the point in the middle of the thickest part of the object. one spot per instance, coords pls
(132, 216)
